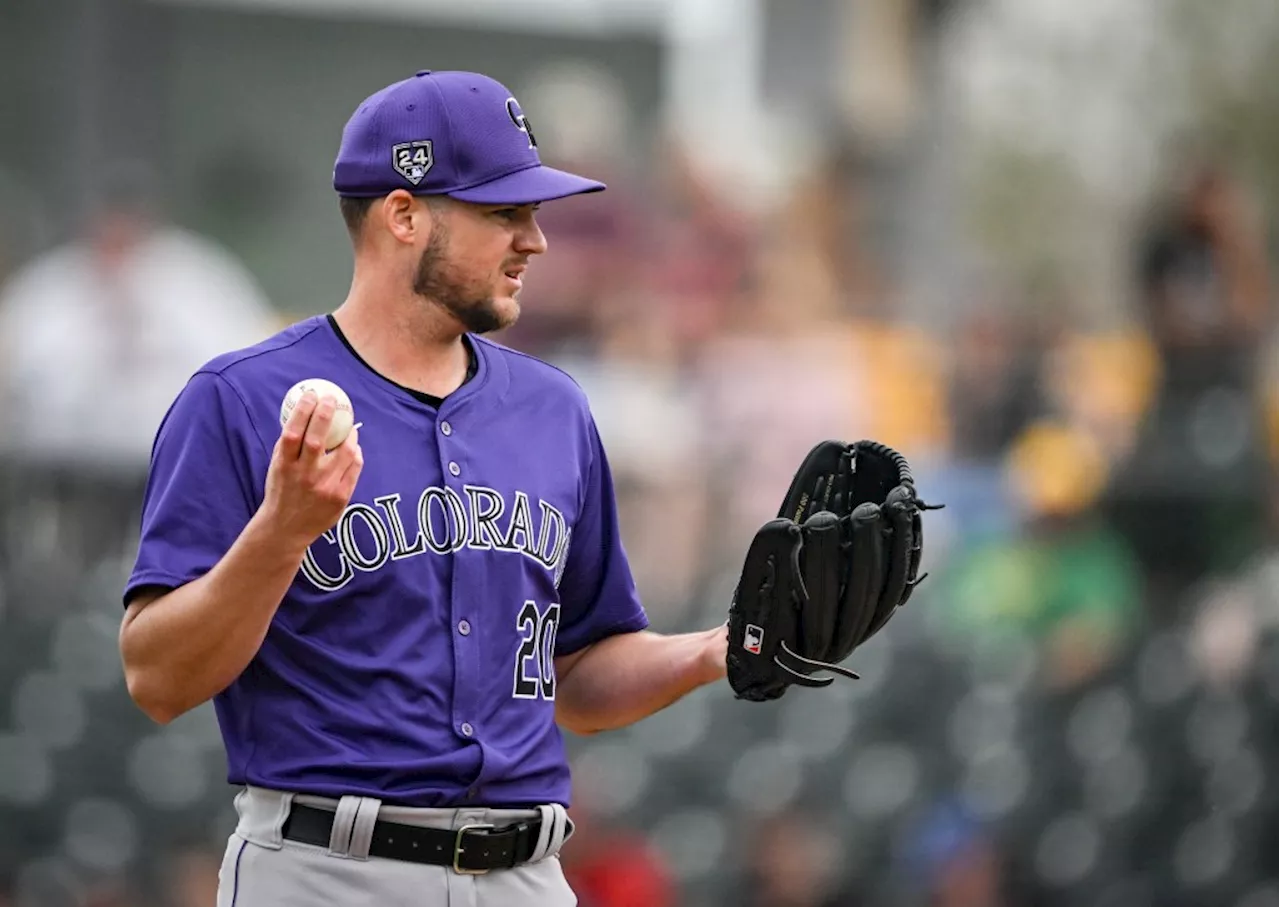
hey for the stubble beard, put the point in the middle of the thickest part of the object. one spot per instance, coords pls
(435, 281)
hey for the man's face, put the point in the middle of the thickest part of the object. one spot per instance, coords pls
(474, 262)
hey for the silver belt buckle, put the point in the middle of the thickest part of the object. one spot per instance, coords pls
(458, 849)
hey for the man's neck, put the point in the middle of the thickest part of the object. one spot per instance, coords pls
(413, 343)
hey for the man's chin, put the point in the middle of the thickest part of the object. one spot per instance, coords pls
(507, 310)
(503, 314)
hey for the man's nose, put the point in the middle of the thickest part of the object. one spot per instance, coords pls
(530, 240)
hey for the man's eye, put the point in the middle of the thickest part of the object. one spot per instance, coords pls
(514, 213)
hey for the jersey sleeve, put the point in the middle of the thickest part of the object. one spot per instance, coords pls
(598, 596)
(208, 466)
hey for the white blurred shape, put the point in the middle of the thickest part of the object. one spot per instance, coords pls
(1220, 426)
(1114, 786)
(582, 109)
(692, 842)
(168, 771)
(198, 726)
(882, 780)
(48, 707)
(1235, 784)
(986, 716)
(85, 652)
(612, 777)
(1204, 851)
(1099, 725)
(766, 777)
(26, 773)
(1216, 728)
(1013, 665)
(1131, 892)
(48, 883)
(873, 663)
(100, 589)
(817, 732)
(713, 100)
(1068, 849)
(100, 834)
(1262, 896)
(674, 730)
(996, 781)
(1164, 671)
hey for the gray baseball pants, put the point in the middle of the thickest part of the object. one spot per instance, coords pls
(262, 869)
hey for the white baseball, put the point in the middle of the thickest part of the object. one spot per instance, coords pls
(343, 415)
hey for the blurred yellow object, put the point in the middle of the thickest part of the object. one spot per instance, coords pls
(1106, 382)
(1056, 470)
(908, 400)
(1271, 418)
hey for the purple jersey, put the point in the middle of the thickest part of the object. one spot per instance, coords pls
(411, 659)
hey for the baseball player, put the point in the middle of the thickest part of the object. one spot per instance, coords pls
(394, 631)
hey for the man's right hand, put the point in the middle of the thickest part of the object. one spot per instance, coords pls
(307, 489)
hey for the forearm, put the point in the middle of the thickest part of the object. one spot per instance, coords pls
(188, 645)
(625, 678)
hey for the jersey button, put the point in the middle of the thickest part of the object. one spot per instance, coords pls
(454, 469)
(467, 729)
(464, 628)
(446, 429)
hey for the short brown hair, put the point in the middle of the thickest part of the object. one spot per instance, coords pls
(354, 211)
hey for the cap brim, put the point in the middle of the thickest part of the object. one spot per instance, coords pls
(528, 187)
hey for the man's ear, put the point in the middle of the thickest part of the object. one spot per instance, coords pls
(405, 217)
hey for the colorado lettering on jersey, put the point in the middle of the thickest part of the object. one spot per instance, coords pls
(445, 522)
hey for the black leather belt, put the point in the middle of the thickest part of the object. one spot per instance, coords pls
(472, 849)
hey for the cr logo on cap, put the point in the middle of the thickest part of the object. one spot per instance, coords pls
(521, 121)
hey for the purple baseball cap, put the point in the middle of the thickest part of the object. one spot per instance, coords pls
(459, 134)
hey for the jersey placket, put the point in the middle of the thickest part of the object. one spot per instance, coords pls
(466, 656)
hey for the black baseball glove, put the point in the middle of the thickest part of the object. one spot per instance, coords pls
(829, 572)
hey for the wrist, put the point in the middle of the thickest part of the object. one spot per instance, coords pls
(271, 533)
(714, 650)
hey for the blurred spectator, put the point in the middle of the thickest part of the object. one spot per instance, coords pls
(996, 382)
(1205, 284)
(768, 392)
(99, 335)
(697, 252)
(1066, 580)
(609, 866)
(648, 417)
(1188, 497)
(191, 878)
(792, 860)
(956, 862)
(1103, 383)
(110, 892)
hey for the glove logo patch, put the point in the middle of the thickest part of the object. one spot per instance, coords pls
(753, 639)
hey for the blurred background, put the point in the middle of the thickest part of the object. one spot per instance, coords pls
(1029, 243)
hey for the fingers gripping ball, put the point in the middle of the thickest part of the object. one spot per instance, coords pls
(343, 414)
